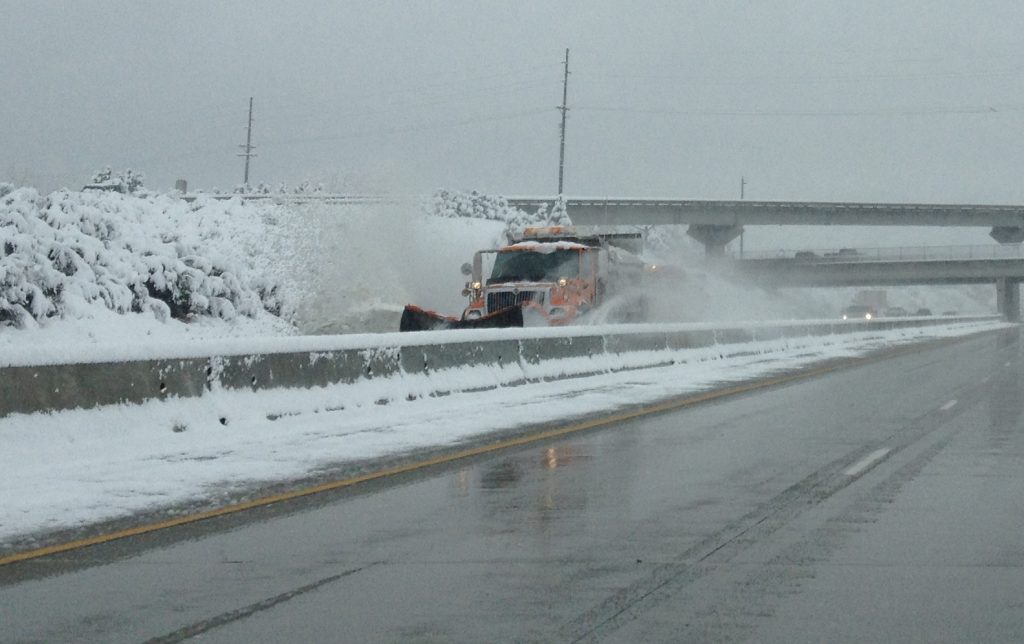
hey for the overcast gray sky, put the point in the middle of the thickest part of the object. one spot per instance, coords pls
(858, 100)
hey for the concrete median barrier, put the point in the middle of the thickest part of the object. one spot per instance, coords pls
(53, 387)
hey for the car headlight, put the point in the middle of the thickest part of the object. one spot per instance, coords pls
(845, 316)
(867, 316)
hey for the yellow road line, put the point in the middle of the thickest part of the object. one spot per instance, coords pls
(675, 403)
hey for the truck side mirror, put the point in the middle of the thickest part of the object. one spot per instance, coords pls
(467, 269)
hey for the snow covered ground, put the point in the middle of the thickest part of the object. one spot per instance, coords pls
(75, 468)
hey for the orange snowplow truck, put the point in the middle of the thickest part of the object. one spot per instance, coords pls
(548, 276)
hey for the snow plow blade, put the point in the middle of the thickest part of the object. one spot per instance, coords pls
(416, 319)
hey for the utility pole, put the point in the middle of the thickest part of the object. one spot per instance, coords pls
(248, 153)
(564, 108)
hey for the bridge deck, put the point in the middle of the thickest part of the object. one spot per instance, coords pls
(793, 272)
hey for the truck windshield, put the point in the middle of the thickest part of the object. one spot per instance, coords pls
(520, 265)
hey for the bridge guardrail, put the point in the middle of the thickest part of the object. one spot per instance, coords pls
(889, 254)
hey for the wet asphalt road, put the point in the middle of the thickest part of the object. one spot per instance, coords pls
(878, 503)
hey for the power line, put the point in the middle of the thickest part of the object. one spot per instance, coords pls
(377, 109)
(915, 111)
(418, 127)
(199, 153)
(445, 87)
(810, 79)
(669, 58)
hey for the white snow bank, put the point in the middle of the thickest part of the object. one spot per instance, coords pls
(77, 467)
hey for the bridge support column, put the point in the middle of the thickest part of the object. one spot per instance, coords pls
(1008, 298)
(714, 237)
(1007, 234)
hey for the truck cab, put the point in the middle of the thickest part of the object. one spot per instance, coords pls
(553, 281)
(556, 274)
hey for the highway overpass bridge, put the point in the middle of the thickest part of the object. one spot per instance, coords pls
(716, 223)
(1007, 274)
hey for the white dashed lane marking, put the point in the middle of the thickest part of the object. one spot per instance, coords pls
(867, 461)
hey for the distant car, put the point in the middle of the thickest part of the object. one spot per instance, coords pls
(805, 255)
(923, 312)
(896, 312)
(857, 312)
(842, 253)
(949, 312)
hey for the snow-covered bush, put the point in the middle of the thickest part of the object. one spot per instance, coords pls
(127, 181)
(69, 251)
(474, 204)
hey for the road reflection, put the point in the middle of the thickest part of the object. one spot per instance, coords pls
(535, 492)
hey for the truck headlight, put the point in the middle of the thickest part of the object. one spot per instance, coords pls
(473, 314)
(562, 281)
(476, 286)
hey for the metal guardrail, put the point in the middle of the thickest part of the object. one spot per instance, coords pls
(890, 254)
(616, 202)
(640, 203)
(302, 197)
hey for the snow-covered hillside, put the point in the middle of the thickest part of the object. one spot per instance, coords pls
(99, 266)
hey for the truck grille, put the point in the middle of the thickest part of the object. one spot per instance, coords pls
(505, 299)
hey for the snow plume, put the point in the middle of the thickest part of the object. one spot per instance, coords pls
(74, 254)
(689, 288)
(362, 263)
(709, 291)
(476, 205)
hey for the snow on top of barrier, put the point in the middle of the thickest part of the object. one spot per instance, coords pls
(200, 348)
